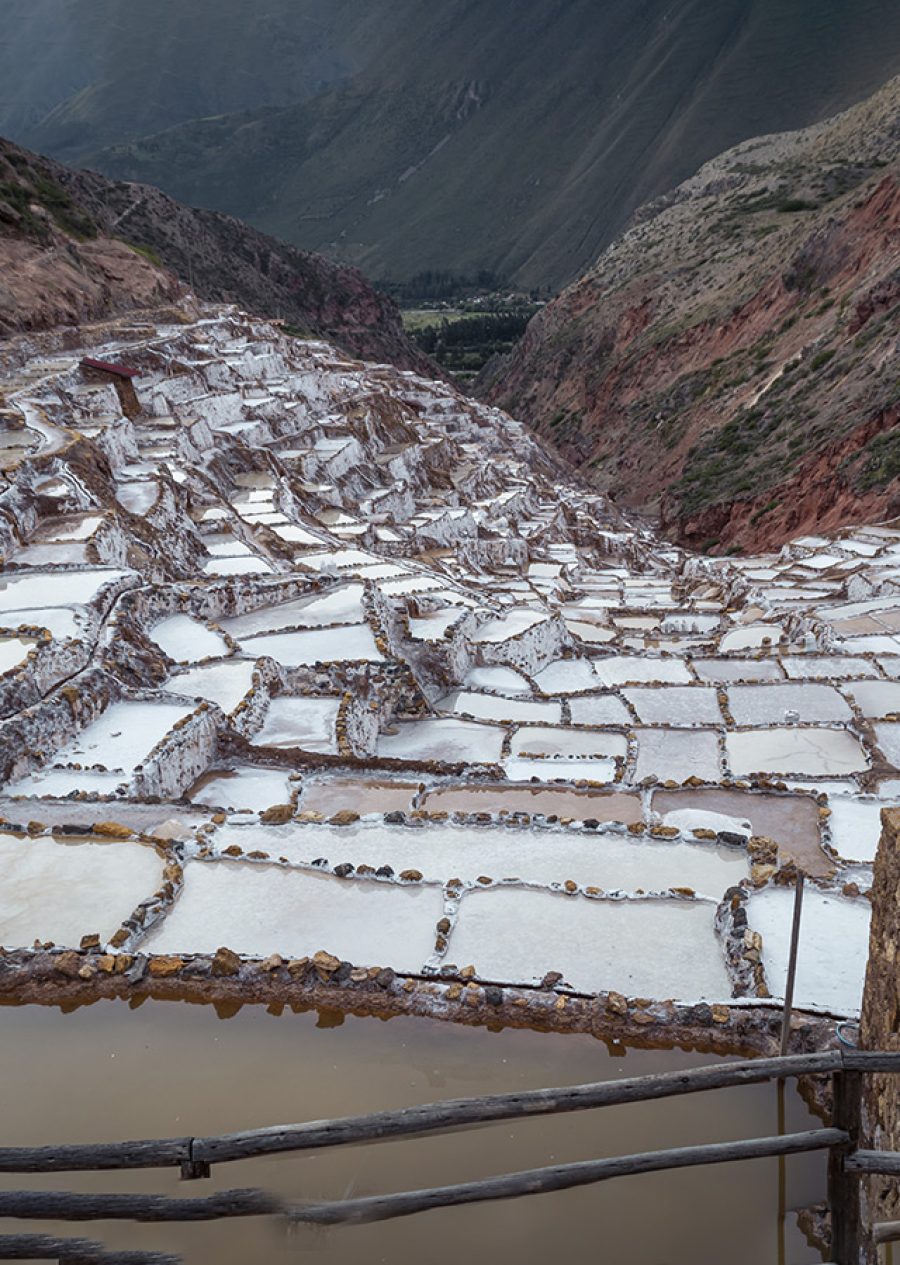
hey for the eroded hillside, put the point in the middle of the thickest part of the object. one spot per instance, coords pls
(76, 247)
(732, 361)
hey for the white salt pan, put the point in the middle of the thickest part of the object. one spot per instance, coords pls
(834, 946)
(61, 891)
(260, 910)
(813, 752)
(517, 936)
(349, 642)
(186, 640)
(449, 740)
(307, 723)
(222, 683)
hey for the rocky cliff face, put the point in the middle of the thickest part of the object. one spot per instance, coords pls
(75, 246)
(731, 362)
(56, 266)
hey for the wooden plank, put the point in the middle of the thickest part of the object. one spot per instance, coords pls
(433, 1117)
(463, 1112)
(560, 1177)
(36, 1247)
(870, 1060)
(56, 1205)
(96, 1156)
(887, 1162)
(843, 1185)
(886, 1231)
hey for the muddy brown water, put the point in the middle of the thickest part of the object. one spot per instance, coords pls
(791, 820)
(357, 795)
(164, 1069)
(612, 806)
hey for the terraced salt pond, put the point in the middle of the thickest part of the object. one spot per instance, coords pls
(449, 740)
(186, 640)
(246, 788)
(614, 863)
(262, 910)
(13, 651)
(577, 749)
(117, 740)
(307, 723)
(499, 933)
(18, 592)
(62, 888)
(342, 605)
(828, 961)
(222, 683)
(347, 642)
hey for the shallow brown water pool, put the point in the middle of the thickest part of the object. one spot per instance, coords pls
(107, 1071)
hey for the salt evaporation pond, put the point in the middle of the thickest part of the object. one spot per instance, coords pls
(352, 642)
(609, 861)
(259, 910)
(61, 889)
(62, 588)
(307, 723)
(449, 740)
(360, 795)
(641, 948)
(244, 788)
(625, 670)
(855, 825)
(13, 651)
(675, 755)
(598, 709)
(187, 640)
(490, 707)
(341, 605)
(502, 680)
(876, 698)
(813, 752)
(769, 704)
(567, 742)
(351, 1066)
(543, 800)
(679, 705)
(221, 683)
(833, 948)
(119, 739)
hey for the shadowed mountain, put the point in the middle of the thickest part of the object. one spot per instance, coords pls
(402, 136)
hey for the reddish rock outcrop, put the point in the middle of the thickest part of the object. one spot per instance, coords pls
(731, 363)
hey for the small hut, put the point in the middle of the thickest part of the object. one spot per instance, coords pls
(120, 376)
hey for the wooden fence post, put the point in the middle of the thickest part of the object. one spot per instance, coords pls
(844, 1187)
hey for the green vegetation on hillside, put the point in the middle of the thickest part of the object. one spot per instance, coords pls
(463, 322)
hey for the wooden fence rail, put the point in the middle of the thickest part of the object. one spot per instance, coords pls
(429, 1118)
(62, 1205)
(195, 1155)
(538, 1181)
(45, 1247)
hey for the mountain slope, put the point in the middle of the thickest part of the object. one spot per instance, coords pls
(401, 136)
(732, 361)
(76, 246)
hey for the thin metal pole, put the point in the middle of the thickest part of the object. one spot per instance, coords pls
(792, 967)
